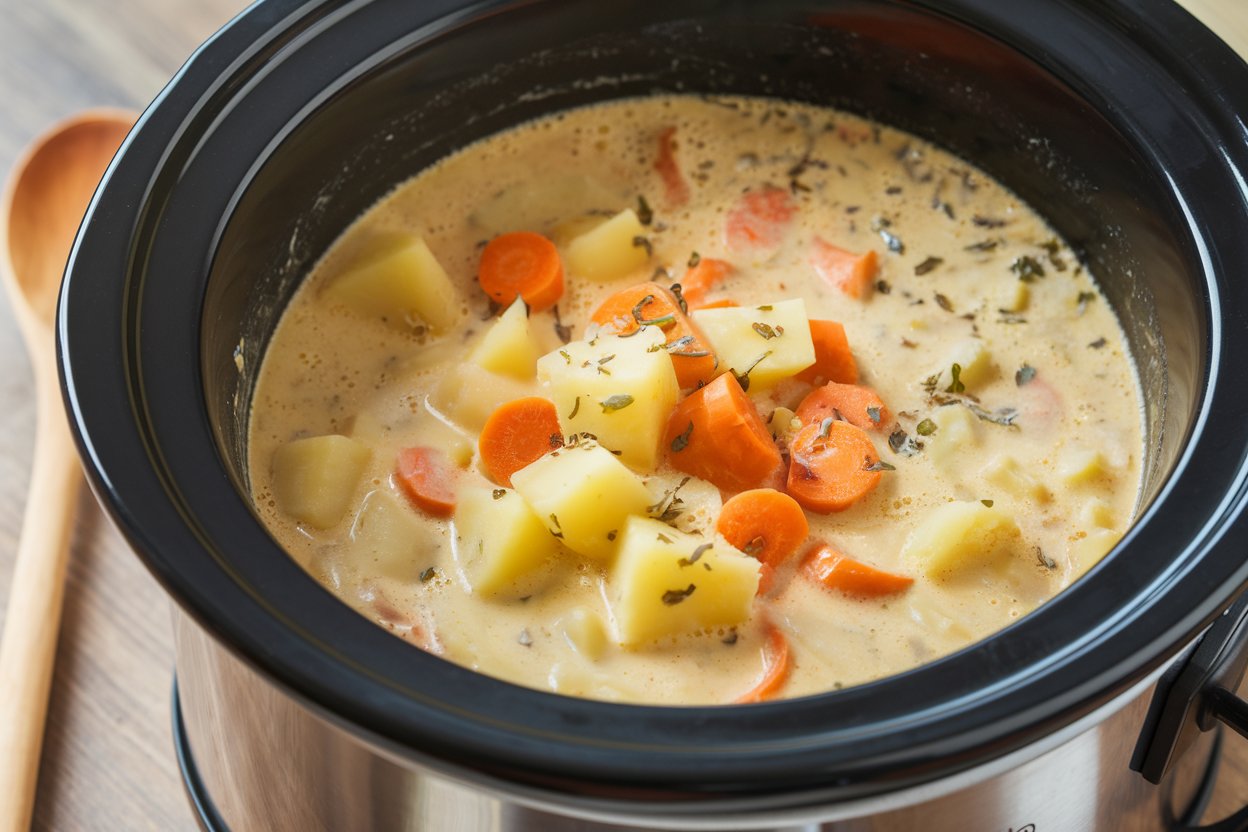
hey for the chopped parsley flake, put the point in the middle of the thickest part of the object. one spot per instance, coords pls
(617, 402)
(675, 596)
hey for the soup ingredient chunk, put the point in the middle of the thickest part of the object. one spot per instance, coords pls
(582, 494)
(835, 570)
(764, 523)
(667, 583)
(522, 264)
(610, 250)
(518, 433)
(764, 344)
(834, 361)
(832, 465)
(777, 666)
(701, 278)
(400, 281)
(389, 538)
(758, 222)
(716, 434)
(853, 274)
(502, 545)
(859, 405)
(963, 538)
(649, 304)
(428, 478)
(314, 479)
(508, 346)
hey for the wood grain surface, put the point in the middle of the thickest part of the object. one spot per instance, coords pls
(108, 760)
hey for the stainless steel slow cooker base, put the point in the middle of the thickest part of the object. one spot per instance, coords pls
(255, 759)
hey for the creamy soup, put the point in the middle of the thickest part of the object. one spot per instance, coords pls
(788, 401)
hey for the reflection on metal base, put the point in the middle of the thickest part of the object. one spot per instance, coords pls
(201, 801)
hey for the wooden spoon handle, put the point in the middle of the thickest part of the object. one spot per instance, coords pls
(32, 620)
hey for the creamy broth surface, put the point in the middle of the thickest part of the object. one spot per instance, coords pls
(1053, 439)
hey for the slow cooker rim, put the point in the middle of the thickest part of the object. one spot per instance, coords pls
(207, 611)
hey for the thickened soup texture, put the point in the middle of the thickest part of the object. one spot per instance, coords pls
(691, 400)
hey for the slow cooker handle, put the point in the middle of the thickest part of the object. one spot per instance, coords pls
(1194, 696)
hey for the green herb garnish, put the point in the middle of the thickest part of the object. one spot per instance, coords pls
(617, 402)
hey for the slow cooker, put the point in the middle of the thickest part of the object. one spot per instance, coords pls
(1121, 121)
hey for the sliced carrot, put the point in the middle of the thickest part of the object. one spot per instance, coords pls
(627, 309)
(517, 433)
(765, 523)
(759, 219)
(675, 187)
(778, 664)
(766, 579)
(835, 570)
(525, 264)
(834, 361)
(702, 278)
(831, 466)
(855, 403)
(428, 478)
(722, 303)
(716, 433)
(853, 274)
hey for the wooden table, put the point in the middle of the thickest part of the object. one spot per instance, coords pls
(108, 761)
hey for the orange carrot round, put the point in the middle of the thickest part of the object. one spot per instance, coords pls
(715, 433)
(675, 187)
(834, 361)
(522, 263)
(722, 303)
(832, 465)
(622, 313)
(428, 479)
(702, 278)
(778, 664)
(857, 404)
(765, 523)
(517, 433)
(835, 570)
(853, 274)
(759, 219)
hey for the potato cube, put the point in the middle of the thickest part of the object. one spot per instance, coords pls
(974, 364)
(504, 550)
(469, 395)
(401, 282)
(314, 479)
(621, 390)
(583, 495)
(508, 346)
(692, 504)
(1088, 551)
(1006, 473)
(668, 583)
(585, 632)
(1082, 466)
(610, 250)
(956, 431)
(388, 539)
(1097, 514)
(770, 342)
(959, 538)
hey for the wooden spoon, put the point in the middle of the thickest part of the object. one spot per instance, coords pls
(40, 210)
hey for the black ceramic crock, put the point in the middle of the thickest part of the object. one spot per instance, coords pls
(1121, 122)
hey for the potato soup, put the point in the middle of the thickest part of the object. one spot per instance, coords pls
(688, 400)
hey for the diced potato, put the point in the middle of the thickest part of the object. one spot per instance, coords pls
(1087, 551)
(770, 342)
(583, 495)
(783, 424)
(962, 537)
(609, 250)
(388, 539)
(659, 588)
(1016, 297)
(535, 205)
(504, 550)
(934, 617)
(621, 390)
(1006, 473)
(956, 431)
(401, 282)
(1082, 466)
(972, 357)
(469, 395)
(695, 502)
(314, 479)
(508, 346)
(585, 632)
(1097, 514)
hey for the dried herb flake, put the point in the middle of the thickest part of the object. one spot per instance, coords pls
(617, 402)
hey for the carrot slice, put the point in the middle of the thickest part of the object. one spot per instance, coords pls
(722, 303)
(831, 466)
(716, 433)
(525, 264)
(834, 361)
(835, 570)
(776, 670)
(428, 479)
(855, 403)
(622, 313)
(675, 187)
(759, 219)
(517, 433)
(852, 273)
(765, 523)
(702, 278)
